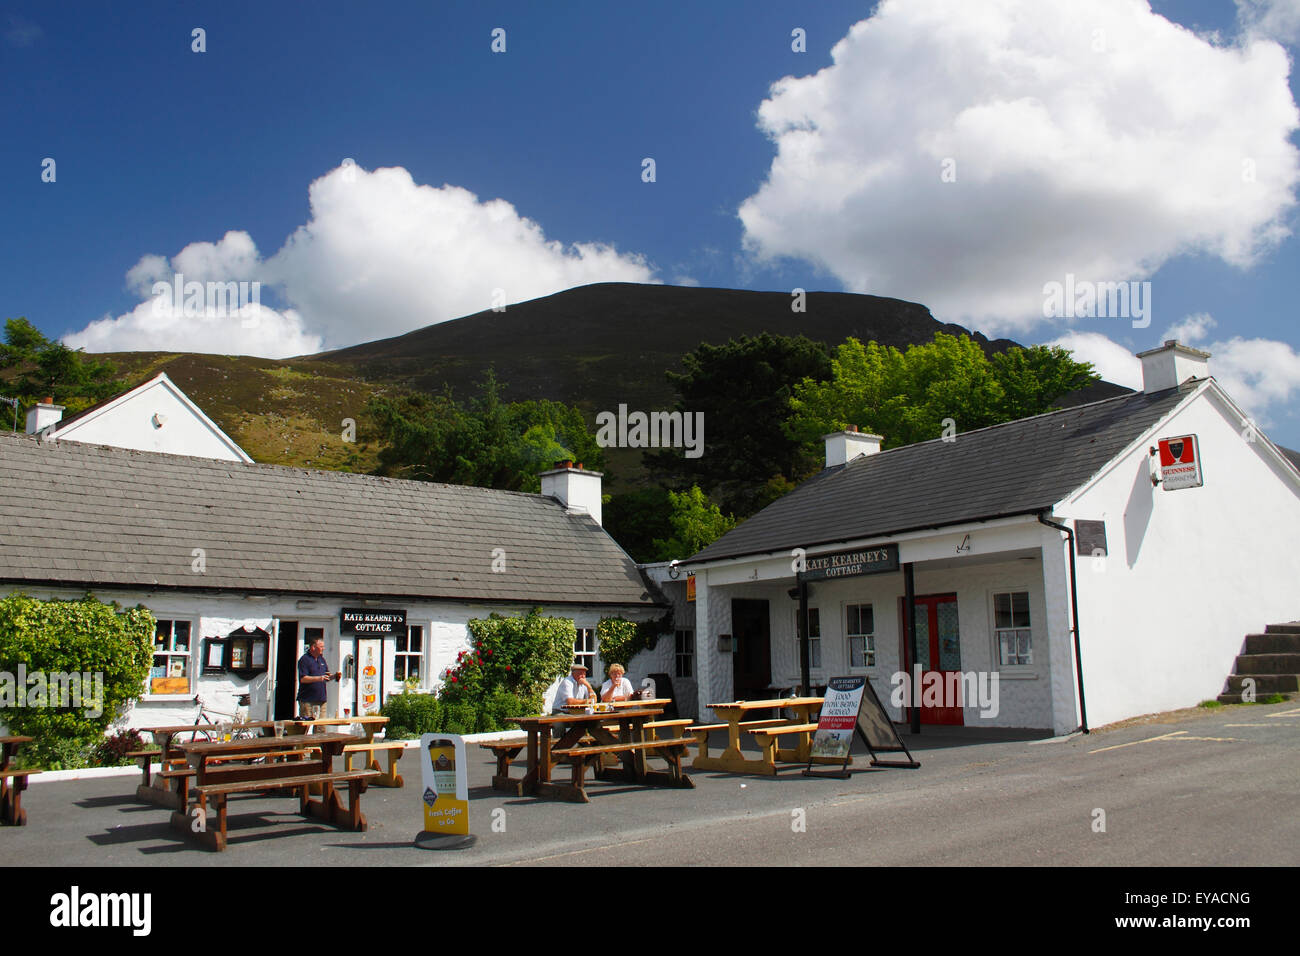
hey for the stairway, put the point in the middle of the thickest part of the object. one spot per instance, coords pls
(1272, 659)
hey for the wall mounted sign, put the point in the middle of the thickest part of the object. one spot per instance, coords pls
(372, 621)
(690, 587)
(370, 675)
(1089, 537)
(846, 564)
(1180, 463)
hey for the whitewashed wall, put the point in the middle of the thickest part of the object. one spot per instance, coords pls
(129, 424)
(662, 658)
(446, 627)
(1189, 572)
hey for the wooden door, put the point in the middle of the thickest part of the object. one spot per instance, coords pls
(939, 643)
(751, 655)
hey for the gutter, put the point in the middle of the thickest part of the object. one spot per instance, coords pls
(1074, 613)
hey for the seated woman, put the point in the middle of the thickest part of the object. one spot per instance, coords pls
(617, 687)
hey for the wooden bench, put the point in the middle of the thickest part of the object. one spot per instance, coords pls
(768, 736)
(672, 750)
(701, 731)
(352, 818)
(14, 782)
(394, 749)
(506, 751)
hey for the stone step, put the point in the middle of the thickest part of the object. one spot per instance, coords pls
(1265, 683)
(1282, 642)
(1267, 664)
(1292, 627)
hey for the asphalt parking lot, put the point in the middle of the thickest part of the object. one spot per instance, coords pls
(1215, 787)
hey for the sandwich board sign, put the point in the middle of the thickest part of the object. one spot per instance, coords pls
(851, 706)
(445, 792)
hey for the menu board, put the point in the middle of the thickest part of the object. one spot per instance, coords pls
(839, 717)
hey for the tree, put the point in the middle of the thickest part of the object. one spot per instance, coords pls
(946, 385)
(696, 522)
(488, 443)
(743, 389)
(635, 519)
(34, 368)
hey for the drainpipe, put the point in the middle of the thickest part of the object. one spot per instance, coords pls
(1074, 611)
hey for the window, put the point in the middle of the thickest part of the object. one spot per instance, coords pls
(584, 648)
(685, 653)
(860, 628)
(1011, 627)
(814, 638)
(170, 673)
(410, 649)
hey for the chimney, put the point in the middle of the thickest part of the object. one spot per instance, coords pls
(574, 487)
(1172, 364)
(43, 415)
(849, 444)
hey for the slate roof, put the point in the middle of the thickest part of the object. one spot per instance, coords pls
(1016, 468)
(93, 516)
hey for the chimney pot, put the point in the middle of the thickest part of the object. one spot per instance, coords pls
(43, 416)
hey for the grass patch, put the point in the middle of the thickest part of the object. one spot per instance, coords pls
(1210, 704)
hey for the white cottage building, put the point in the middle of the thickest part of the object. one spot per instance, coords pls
(1158, 528)
(154, 416)
(244, 564)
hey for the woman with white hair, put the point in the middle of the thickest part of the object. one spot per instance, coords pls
(617, 687)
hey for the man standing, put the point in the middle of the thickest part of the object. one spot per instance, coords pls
(313, 675)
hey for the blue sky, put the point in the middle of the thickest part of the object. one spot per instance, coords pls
(1091, 138)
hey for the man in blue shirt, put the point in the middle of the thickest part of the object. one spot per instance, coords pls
(313, 675)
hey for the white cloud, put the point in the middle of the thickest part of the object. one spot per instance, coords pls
(1091, 137)
(1274, 19)
(1113, 362)
(1261, 375)
(381, 255)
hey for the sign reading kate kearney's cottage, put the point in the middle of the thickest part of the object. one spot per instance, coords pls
(847, 564)
(358, 620)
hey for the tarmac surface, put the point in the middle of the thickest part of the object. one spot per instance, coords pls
(1216, 787)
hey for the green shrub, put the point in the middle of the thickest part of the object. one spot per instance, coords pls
(71, 637)
(411, 715)
(620, 641)
(1210, 704)
(459, 718)
(520, 655)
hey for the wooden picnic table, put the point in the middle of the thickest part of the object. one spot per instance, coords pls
(158, 789)
(631, 746)
(370, 725)
(11, 794)
(218, 773)
(767, 732)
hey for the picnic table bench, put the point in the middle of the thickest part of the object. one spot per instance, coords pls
(586, 738)
(368, 746)
(767, 734)
(13, 782)
(220, 770)
(159, 789)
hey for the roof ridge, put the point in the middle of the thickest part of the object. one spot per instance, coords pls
(116, 451)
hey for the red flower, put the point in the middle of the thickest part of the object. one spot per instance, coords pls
(507, 667)
(453, 680)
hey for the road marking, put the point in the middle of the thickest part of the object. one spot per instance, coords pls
(1286, 713)
(1262, 725)
(1145, 740)
(1224, 739)
(594, 849)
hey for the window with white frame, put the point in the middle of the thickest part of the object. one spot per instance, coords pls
(685, 653)
(171, 670)
(814, 638)
(860, 629)
(584, 648)
(1011, 628)
(410, 651)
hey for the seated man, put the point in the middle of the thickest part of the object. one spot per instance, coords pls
(617, 687)
(574, 689)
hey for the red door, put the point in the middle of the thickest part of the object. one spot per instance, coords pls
(940, 649)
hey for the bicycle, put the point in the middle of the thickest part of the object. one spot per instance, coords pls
(210, 714)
